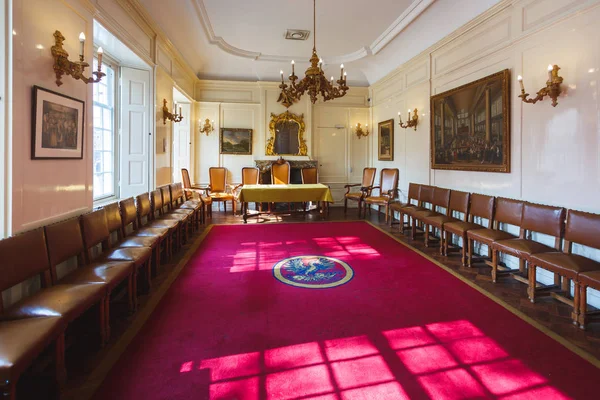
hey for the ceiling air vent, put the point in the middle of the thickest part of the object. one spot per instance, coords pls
(297, 34)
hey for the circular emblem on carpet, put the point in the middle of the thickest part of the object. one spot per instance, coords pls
(313, 272)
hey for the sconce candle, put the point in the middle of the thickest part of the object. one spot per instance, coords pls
(171, 116)
(208, 127)
(81, 45)
(292, 67)
(411, 122)
(360, 132)
(100, 53)
(552, 88)
(62, 64)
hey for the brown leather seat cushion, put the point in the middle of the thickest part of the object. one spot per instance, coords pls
(62, 300)
(401, 206)
(522, 248)
(354, 195)
(157, 232)
(206, 199)
(437, 220)
(173, 216)
(23, 340)
(424, 213)
(139, 255)
(488, 236)
(568, 265)
(163, 223)
(191, 205)
(377, 200)
(591, 279)
(111, 273)
(460, 227)
(221, 196)
(411, 211)
(139, 241)
(184, 211)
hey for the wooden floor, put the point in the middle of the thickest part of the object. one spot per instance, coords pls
(88, 364)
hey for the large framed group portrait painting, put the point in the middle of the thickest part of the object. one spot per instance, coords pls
(385, 142)
(57, 127)
(470, 126)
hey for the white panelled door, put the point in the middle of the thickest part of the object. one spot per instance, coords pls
(181, 142)
(332, 156)
(135, 138)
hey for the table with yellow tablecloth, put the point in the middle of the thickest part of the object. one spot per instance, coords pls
(293, 193)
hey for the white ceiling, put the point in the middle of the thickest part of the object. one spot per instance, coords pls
(244, 39)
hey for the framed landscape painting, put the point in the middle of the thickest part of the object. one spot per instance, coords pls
(235, 141)
(470, 126)
(57, 126)
(385, 144)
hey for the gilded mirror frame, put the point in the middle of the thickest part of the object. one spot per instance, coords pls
(287, 116)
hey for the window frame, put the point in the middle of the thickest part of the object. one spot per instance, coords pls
(116, 67)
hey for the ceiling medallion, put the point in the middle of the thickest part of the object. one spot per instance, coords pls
(314, 82)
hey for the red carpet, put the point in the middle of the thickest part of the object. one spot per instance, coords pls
(402, 327)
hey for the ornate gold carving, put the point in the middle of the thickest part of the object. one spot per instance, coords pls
(62, 64)
(552, 88)
(412, 121)
(283, 118)
(171, 116)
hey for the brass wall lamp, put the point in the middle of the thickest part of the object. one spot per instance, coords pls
(360, 132)
(552, 88)
(208, 127)
(62, 64)
(411, 122)
(171, 116)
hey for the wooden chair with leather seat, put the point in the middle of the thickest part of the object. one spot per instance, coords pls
(94, 227)
(146, 222)
(65, 242)
(506, 212)
(186, 216)
(425, 201)
(481, 206)
(536, 218)
(388, 190)
(368, 179)
(191, 192)
(582, 228)
(22, 338)
(250, 176)
(131, 228)
(219, 190)
(439, 207)
(179, 204)
(156, 210)
(585, 280)
(459, 204)
(412, 201)
(280, 173)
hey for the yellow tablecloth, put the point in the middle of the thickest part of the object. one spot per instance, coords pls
(285, 193)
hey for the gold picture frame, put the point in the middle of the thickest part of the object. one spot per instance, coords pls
(385, 140)
(470, 126)
(237, 141)
(287, 130)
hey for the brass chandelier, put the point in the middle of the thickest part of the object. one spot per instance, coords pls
(315, 82)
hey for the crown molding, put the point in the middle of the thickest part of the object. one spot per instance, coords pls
(405, 19)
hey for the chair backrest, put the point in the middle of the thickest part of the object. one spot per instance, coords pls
(113, 219)
(483, 206)
(508, 211)
(389, 181)
(185, 178)
(128, 213)
(368, 177)
(144, 207)
(176, 194)
(544, 219)
(156, 203)
(310, 175)
(413, 192)
(218, 179)
(22, 257)
(583, 228)
(426, 194)
(64, 240)
(441, 198)
(250, 176)
(459, 202)
(166, 197)
(95, 230)
(280, 173)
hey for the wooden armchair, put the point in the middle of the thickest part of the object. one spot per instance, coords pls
(191, 190)
(388, 189)
(218, 190)
(365, 189)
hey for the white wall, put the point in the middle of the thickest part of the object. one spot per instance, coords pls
(554, 151)
(250, 105)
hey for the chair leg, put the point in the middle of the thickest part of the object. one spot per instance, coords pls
(532, 275)
(102, 315)
(470, 244)
(576, 306)
(443, 240)
(59, 354)
(346, 206)
(494, 265)
(581, 318)
(107, 318)
(426, 230)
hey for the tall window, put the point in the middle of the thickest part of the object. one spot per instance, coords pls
(104, 135)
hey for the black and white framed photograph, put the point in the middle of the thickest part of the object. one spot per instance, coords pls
(57, 126)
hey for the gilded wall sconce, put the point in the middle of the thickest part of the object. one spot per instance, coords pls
(208, 126)
(62, 64)
(360, 132)
(171, 116)
(411, 122)
(552, 88)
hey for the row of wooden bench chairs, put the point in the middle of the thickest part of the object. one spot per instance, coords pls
(483, 219)
(147, 227)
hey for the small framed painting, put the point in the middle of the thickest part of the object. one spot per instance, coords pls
(235, 141)
(57, 126)
(386, 141)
